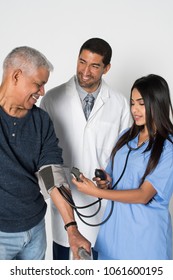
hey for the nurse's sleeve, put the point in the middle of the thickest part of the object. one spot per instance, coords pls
(162, 176)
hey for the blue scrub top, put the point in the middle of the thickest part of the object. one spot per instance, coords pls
(137, 231)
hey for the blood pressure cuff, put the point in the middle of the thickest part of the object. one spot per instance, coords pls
(49, 177)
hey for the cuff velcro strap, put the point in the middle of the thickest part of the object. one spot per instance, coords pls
(70, 224)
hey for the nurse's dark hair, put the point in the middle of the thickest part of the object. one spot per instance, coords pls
(156, 95)
(98, 46)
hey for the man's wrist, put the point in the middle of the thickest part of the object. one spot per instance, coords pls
(73, 223)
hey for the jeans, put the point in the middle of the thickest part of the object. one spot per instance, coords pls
(27, 245)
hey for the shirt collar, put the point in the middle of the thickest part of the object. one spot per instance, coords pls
(82, 93)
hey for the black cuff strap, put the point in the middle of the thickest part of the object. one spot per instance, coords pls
(70, 224)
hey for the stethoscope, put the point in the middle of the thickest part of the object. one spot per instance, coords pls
(70, 201)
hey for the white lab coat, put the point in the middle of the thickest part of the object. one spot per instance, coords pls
(86, 145)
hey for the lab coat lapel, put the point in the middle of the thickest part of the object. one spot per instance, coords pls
(101, 99)
(75, 102)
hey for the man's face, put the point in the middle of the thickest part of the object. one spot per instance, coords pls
(90, 69)
(30, 87)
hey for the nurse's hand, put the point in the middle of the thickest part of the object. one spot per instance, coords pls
(103, 184)
(86, 186)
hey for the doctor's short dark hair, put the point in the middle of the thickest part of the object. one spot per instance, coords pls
(98, 46)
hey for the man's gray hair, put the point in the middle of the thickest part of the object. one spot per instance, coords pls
(27, 59)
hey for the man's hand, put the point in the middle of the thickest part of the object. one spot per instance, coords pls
(77, 240)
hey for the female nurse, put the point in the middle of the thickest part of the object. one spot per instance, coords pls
(140, 179)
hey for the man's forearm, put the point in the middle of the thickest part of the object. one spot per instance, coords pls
(63, 207)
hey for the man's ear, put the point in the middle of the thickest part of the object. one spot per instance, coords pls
(106, 69)
(16, 75)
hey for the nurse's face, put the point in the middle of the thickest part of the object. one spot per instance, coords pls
(138, 108)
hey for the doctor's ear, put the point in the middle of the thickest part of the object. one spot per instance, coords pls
(107, 68)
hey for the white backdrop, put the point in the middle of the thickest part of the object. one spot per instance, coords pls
(139, 31)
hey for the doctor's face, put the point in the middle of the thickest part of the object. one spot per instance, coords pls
(90, 68)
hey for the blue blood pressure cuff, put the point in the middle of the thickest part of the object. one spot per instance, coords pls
(49, 177)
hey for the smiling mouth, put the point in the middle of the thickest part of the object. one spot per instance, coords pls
(85, 78)
(35, 96)
(137, 116)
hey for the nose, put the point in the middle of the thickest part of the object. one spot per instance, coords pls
(134, 108)
(86, 70)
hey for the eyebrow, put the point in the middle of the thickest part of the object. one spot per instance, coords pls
(97, 64)
(40, 83)
(139, 99)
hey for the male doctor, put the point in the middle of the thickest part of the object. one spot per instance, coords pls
(88, 117)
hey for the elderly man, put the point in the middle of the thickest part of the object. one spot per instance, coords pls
(29, 151)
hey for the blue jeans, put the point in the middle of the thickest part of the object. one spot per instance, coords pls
(27, 245)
